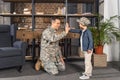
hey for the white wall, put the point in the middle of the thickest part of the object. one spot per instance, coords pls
(110, 9)
(101, 7)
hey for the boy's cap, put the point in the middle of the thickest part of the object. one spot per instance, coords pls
(84, 21)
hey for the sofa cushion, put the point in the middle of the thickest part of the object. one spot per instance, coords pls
(9, 51)
(4, 28)
(5, 37)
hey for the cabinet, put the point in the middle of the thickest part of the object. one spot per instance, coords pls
(48, 13)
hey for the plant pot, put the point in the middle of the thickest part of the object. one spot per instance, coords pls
(99, 49)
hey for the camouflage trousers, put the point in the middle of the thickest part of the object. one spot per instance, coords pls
(51, 60)
(53, 67)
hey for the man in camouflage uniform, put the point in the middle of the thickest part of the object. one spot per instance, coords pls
(50, 54)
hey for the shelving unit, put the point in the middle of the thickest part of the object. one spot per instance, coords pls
(66, 16)
(46, 15)
(52, 1)
(33, 15)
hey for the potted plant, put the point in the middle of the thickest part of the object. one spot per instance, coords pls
(105, 33)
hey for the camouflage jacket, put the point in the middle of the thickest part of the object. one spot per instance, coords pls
(50, 49)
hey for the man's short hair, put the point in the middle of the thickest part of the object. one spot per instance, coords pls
(54, 18)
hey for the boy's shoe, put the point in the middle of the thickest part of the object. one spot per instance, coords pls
(84, 77)
(85, 74)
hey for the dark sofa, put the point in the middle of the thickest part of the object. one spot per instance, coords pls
(12, 53)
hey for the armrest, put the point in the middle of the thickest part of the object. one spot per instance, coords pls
(21, 45)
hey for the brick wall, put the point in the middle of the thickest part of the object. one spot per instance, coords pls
(47, 8)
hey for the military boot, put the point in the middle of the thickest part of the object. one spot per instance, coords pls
(38, 65)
